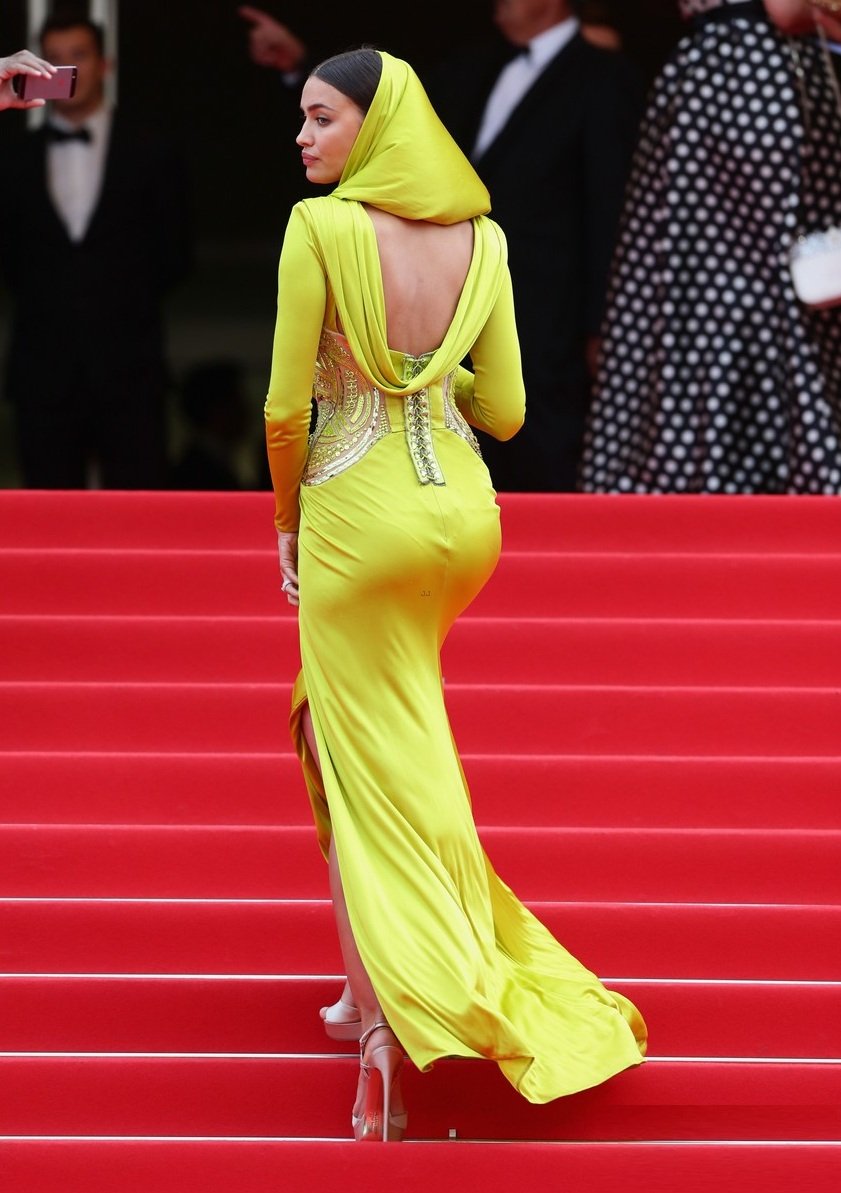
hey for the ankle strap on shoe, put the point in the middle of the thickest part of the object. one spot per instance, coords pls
(366, 1035)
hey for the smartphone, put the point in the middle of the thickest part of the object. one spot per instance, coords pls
(61, 85)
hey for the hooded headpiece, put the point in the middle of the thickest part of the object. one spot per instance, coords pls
(405, 162)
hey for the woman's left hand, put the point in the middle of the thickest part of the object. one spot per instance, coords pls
(287, 548)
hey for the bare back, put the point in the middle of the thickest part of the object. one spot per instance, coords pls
(424, 267)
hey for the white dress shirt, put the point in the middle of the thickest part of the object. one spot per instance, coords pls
(518, 77)
(75, 171)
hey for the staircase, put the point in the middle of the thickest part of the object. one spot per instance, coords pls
(648, 701)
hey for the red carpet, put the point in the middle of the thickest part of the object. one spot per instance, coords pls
(647, 697)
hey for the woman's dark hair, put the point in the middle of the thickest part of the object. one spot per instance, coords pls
(356, 73)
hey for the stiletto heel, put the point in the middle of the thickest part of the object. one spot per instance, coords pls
(341, 1021)
(380, 1077)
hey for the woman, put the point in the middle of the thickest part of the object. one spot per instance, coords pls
(388, 528)
(714, 377)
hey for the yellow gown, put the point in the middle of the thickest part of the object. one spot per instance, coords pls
(398, 531)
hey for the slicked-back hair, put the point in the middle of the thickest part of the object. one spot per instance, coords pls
(356, 73)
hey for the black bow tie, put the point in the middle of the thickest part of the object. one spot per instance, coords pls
(510, 52)
(59, 135)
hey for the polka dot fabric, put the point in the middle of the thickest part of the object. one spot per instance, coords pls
(714, 378)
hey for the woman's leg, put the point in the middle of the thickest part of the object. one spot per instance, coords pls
(359, 984)
(361, 990)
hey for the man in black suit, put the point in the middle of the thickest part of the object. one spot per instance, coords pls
(93, 232)
(551, 132)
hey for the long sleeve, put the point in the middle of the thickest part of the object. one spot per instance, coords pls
(494, 399)
(301, 299)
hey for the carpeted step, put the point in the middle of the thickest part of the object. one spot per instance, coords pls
(96, 1014)
(284, 862)
(310, 1097)
(479, 649)
(576, 791)
(134, 520)
(507, 718)
(534, 584)
(683, 666)
(530, 521)
(743, 942)
(258, 1166)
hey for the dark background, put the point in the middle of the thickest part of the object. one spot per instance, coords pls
(184, 67)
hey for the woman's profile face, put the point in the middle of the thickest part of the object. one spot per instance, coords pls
(331, 123)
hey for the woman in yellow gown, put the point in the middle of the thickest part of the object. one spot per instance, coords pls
(388, 527)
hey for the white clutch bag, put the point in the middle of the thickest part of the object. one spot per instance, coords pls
(816, 268)
(815, 257)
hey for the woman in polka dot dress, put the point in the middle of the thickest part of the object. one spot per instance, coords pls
(714, 377)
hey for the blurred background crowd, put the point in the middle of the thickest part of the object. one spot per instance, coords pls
(137, 260)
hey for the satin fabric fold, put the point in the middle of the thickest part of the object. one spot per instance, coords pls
(347, 245)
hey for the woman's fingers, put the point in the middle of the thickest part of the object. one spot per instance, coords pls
(287, 549)
(290, 587)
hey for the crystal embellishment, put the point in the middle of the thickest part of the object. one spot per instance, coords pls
(352, 415)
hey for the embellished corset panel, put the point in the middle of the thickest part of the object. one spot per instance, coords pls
(353, 415)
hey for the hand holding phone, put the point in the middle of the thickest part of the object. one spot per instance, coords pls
(60, 85)
(18, 67)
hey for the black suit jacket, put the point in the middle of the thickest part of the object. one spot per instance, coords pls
(556, 175)
(92, 307)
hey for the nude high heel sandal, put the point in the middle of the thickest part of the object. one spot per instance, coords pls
(381, 1077)
(341, 1020)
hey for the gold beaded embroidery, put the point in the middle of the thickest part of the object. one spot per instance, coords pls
(351, 416)
(419, 426)
(454, 420)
